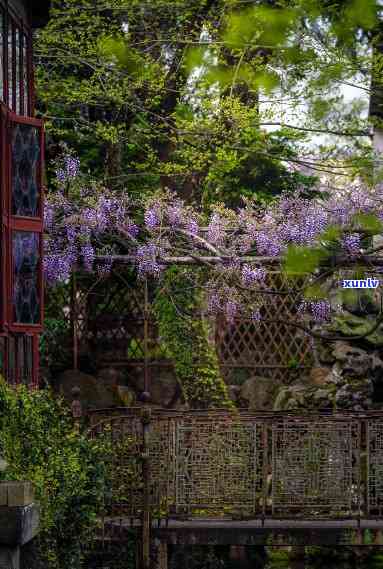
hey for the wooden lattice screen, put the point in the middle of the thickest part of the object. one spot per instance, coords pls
(269, 348)
(110, 321)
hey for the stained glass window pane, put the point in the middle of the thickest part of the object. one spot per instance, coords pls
(26, 264)
(25, 74)
(10, 67)
(17, 48)
(25, 170)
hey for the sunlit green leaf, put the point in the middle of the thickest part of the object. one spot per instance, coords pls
(368, 222)
(302, 260)
(195, 57)
(332, 233)
(315, 292)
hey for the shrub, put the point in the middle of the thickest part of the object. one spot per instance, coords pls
(38, 440)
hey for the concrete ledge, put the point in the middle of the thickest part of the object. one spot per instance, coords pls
(19, 524)
(16, 493)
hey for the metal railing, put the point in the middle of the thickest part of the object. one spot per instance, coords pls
(242, 464)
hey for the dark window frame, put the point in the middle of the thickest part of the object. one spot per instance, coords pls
(19, 342)
(14, 23)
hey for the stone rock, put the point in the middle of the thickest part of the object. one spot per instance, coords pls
(93, 394)
(352, 325)
(319, 376)
(127, 395)
(234, 393)
(321, 394)
(324, 353)
(111, 376)
(258, 393)
(354, 361)
(303, 397)
(289, 397)
(164, 389)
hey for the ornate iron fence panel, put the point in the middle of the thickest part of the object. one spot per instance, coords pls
(315, 467)
(123, 487)
(124, 484)
(219, 462)
(375, 467)
(162, 464)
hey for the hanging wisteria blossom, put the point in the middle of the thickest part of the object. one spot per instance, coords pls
(235, 248)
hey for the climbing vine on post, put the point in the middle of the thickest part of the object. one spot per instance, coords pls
(185, 335)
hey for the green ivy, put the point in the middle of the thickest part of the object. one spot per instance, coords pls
(38, 441)
(185, 336)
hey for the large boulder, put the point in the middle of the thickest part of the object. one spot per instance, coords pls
(353, 361)
(258, 393)
(111, 376)
(93, 393)
(164, 389)
(291, 397)
(352, 325)
(319, 376)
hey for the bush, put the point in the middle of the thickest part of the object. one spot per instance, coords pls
(38, 440)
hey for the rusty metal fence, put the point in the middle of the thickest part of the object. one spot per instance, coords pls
(218, 463)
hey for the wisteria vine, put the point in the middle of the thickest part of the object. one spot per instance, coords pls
(98, 229)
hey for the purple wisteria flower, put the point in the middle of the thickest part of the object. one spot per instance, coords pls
(231, 309)
(87, 253)
(69, 171)
(351, 243)
(131, 228)
(49, 211)
(256, 315)
(192, 226)
(174, 214)
(251, 276)
(71, 234)
(104, 269)
(151, 219)
(56, 267)
(215, 229)
(268, 244)
(319, 309)
(214, 303)
(147, 260)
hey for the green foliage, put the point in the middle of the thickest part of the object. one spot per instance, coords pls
(369, 223)
(186, 338)
(301, 260)
(262, 25)
(52, 341)
(39, 442)
(120, 95)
